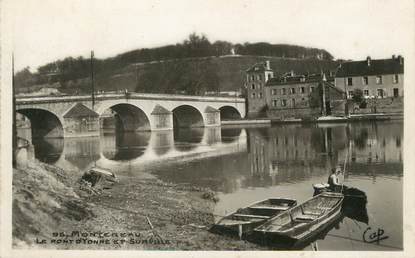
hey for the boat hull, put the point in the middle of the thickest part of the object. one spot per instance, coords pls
(293, 233)
(243, 221)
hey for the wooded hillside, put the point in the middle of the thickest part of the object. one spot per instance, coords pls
(192, 67)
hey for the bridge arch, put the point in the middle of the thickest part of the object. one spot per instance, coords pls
(43, 123)
(230, 134)
(125, 147)
(124, 117)
(229, 113)
(186, 116)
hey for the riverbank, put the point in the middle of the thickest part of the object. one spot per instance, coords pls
(358, 117)
(53, 209)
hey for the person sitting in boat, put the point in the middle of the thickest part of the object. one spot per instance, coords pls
(333, 180)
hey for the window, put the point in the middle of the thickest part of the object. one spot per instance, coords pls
(381, 93)
(350, 93)
(365, 80)
(293, 102)
(395, 78)
(253, 86)
(302, 90)
(252, 78)
(379, 79)
(395, 92)
(259, 77)
(283, 91)
(366, 93)
(274, 103)
(292, 90)
(284, 102)
(269, 76)
(349, 81)
(253, 95)
(311, 89)
(260, 95)
(274, 92)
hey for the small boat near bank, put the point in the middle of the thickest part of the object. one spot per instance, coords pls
(302, 221)
(244, 220)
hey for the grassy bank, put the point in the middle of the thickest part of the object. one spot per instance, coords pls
(52, 208)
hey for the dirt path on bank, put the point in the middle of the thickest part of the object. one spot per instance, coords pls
(50, 211)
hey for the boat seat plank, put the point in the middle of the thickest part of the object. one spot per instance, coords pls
(251, 216)
(273, 207)
(313, 213)
(306, 217)
(230, 222)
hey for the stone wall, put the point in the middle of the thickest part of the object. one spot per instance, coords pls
(385, 105)
(281, 114)
(82, 126)
(338, 108)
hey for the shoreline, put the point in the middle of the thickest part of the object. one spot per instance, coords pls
(340, 119)
(50, 206)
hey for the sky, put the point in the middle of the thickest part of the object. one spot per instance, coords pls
(47, 30)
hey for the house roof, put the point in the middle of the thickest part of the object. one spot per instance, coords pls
(376, 67)
(296, 79)
(210, 109)
(159, 110)
(259, 67)
(80, 110)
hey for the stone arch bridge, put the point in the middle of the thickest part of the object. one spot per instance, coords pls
(73, 116)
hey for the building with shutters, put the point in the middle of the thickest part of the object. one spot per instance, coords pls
(256, 78)
(380, 78)
(300, 96)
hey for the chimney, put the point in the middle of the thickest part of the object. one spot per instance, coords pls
(368, 60)
(292, 73)
(268, 65)
(393, 57)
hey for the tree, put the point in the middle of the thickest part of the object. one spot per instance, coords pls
(24, 78)
(222, 48)
(198, 45)
(315, 97)
(358, 98)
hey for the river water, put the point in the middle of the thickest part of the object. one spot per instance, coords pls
(244, 165)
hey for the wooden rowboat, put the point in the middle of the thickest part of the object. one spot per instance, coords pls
(303, 221)
(244, 220)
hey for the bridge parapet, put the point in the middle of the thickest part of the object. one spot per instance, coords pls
(108, 96)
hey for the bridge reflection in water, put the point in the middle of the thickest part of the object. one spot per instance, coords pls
(249, 164)
(265, 156)
(116, 151)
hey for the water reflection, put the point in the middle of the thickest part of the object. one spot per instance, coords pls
(276, 155)
(245, 165)
(230, 134)
(125, 146)
(162, 142)
(187, 139)
(111, 149)
(81, 153)
(48, 150)
(290, 153)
